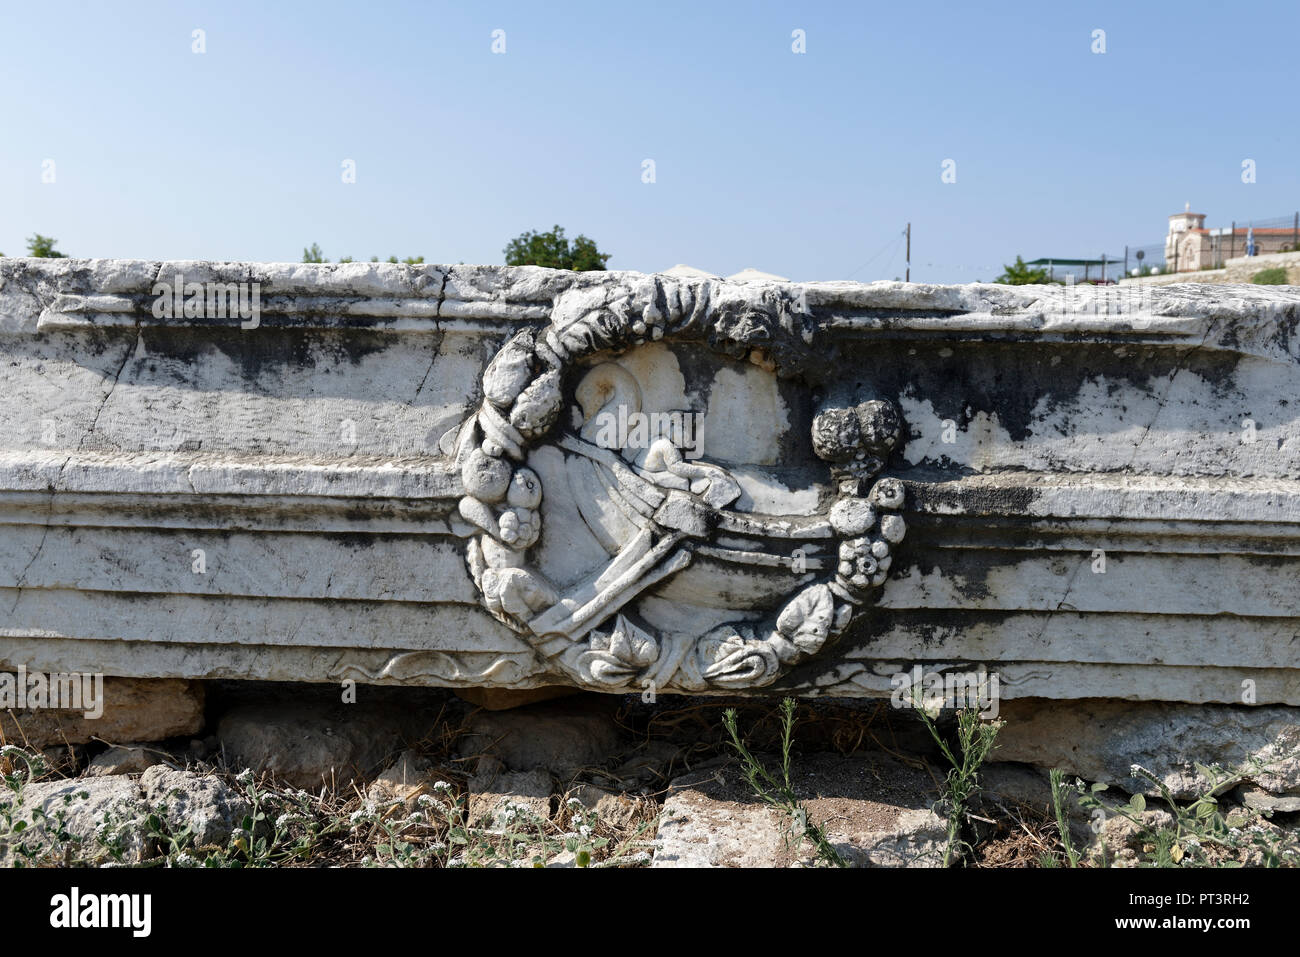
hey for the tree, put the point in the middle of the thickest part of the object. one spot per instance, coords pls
(586, 257)
(42, 247)
(312, 254)
(552, 249)
(1020, 274)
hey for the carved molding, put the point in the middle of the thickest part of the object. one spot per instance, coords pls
(1087, 419)
(668, 509)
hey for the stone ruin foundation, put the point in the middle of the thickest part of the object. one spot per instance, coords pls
(1076, 509)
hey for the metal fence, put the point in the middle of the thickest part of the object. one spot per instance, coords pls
(1226, 242)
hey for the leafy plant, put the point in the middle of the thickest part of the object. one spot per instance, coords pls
(778, 792)
(1201, 833)
(1060, 792)
(975, 739)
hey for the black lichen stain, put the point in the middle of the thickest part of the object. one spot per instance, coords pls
(264, 351)
(1022, 384)
(966, 499)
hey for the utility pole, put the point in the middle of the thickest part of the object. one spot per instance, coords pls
(908, 275)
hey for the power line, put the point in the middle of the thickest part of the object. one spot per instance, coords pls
(893, 243)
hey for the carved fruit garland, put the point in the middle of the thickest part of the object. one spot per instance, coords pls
(523, 400)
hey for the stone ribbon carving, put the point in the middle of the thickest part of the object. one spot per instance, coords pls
(657, 512)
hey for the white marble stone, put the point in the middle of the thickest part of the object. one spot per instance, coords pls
(885, 474)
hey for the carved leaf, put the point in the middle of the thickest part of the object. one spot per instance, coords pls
(615, 658)
(738, 663)
(632, 644)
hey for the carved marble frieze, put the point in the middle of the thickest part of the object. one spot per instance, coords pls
(513, 477)
(788, 585)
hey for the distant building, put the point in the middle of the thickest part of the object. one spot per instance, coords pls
(750, 274)
(1190, 246)
(683, 271)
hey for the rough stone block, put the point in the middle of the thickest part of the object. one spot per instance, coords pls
(560, 737)
(1101, 740)
(876, 812)
(312, 744)
(135, 709)
(504, 799)
(204, 804)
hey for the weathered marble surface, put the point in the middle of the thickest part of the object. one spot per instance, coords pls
(317, 461)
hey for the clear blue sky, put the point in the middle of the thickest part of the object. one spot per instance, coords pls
(803, 165)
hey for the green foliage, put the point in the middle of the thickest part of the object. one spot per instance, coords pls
(553, 250)
(42, 247)
(975, 739)
(586, 257)
(1020, 274)
(778, 792)
(1059, 794)
(314, 254)
(1202, 833)
(292, 828)
(1270, 277)
(37, 837)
